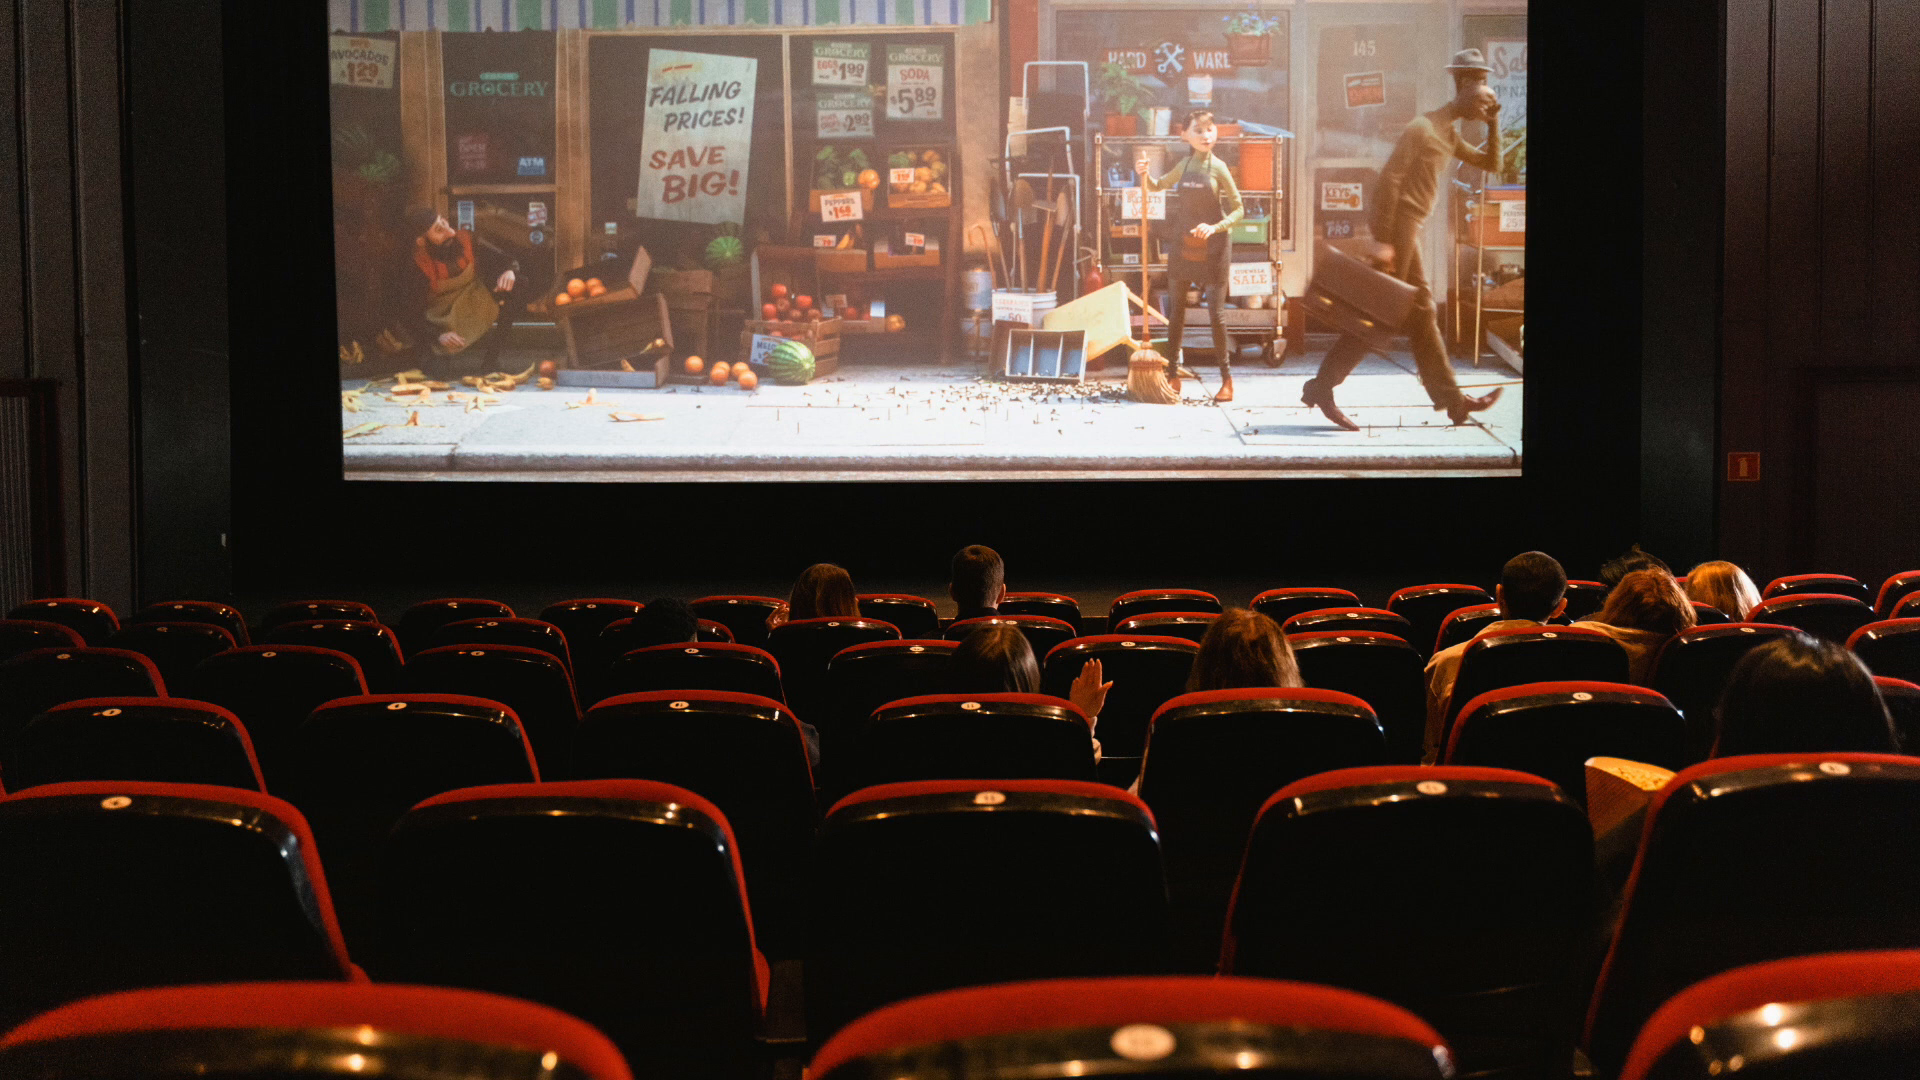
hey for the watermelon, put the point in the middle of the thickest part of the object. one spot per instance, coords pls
(790, 363)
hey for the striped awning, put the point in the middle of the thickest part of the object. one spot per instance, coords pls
(376, 16)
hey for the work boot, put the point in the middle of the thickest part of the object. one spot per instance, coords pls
(1460, 410)
(1226, 385)
(1322, 397)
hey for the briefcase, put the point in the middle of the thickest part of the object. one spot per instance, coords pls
(1356, 299)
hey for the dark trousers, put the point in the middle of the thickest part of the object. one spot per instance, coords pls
(482, 357)
(1422, 329)
(1214, 296)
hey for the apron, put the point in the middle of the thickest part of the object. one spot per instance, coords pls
(1192, 202)
(462, 304)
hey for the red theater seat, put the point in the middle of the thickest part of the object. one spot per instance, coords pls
(1756, 858)
(743, 752)
(1854, 1015)
(1502, 658)
(1146, 671)
(1837, 584)
(1052, 605)
(580, 622)
(740, 669)
(373, 646)
(861, 678)
(941, 884)
(1348, 620)
(1147, 601)
(619, 901)
(1550, 729)
(979, 736)
(532, 683)
(1708, 615)
(745, 616)
(308, 1031)
(1889, 647)
(1379, 669)
(1042, 632)
(25, 635)
(138, 884)
(1191, 625)
(93, 621)
(1462, 894)
(309, 610)
(1894, 590)
(225, 616)
(713, 632)
(36, 681)
(1461, 624)
(914, 616)
(1167, 1026)
(1903, 704)
(1427, 606)
(1283, 604)
(1585, 599)
(1693, 667)
(158, 739)
(1212, 760)
(505, 630)
(272, 688)
(804, 649)
(1826, 615)
(175, 648)
(420, 623)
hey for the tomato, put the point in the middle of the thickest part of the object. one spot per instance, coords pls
(548, 369)
(802, 303)
(769, 312)
(779, 292)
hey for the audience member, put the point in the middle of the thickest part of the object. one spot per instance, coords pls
(663, 621)
(1725, 586)
(1643, 613)
(1633, 559)
(998, 660)
(978, 581)
(1532, 589)
(1799, 694)
(1243, 649)
(823, 591)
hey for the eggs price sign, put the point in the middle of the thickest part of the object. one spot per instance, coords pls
(840, 63)
(697, 136)
(916, 82)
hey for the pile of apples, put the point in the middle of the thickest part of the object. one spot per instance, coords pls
(785, 307)
(723, 372)
(577, 289)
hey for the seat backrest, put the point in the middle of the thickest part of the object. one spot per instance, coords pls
(1894, 590)
(1473, 906)
(805, 648)
(368, 759)
(1052, 605)
(1826, 615)
(1381, 669)
(982, 736)
(627, 910)
(1550, 729)
(271, 689)
(373, 646)
(580, 622)
(36, 681)
(861, 678)
(141, 884)
(1708, 615)
(532, 683)
(1836, 584)
(1853, 1014)
(1501, 658)
(1742, 862)
(1692, 671)
(1889, 647)
(1145, 601)
(93, 621)
(419, 623)
(1903, 705)
(505, 630)
(164, 740)
(308, 610)
(914, 616)
(1345, 620)
(745, 616)
(1427, 606)
(741, 669)
(1146, 672)
(175, 648)
(25, 635)
(307, 1031)
(1283, 604)
(1186, 1025)
(713, 632)
(1191, 625)
(902, 869)
(225, 616)
(1462, 624)
(1584, 599)
(1042, 632)
(1908, 607)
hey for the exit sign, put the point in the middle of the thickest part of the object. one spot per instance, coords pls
(1743, 467)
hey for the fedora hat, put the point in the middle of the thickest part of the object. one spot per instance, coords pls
(1469, 60)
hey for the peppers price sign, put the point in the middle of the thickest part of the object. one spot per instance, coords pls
(916, 82)
(697, 136)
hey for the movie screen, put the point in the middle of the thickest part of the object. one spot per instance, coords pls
(811, 240)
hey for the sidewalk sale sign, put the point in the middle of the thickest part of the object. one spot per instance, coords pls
(697, 135)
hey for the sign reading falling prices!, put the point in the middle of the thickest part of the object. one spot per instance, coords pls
(697, 136)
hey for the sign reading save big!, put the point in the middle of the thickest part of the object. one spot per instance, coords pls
(697, 136)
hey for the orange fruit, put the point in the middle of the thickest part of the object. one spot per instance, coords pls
(596, 290)
(594, 283)
(718, 376)
(563, 298)
(576, 288)
(694, 365)
(748, 380)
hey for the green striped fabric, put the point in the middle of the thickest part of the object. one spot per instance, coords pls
(680, 13)
(376, 16)
(606, 14)
(529, 15)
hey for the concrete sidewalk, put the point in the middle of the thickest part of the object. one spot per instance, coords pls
(913, 421)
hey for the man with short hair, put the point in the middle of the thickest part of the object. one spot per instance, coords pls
(978, 582)
(1532, 589)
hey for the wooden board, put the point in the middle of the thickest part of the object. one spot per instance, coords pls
(602, 335)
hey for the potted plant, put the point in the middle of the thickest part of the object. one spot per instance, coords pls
(1250, 37)
(1125, 97)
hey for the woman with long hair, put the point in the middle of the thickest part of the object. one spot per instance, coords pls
(1643, 613)
(996, 659)
(823, 591)
(1723, 585)
(1243, 649)
(1797, 694)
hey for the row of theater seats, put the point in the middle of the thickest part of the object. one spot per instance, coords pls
(1464, 896)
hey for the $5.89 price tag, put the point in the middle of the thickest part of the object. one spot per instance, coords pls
(916, 82)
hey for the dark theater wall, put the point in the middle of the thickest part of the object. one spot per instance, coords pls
(1821, 369)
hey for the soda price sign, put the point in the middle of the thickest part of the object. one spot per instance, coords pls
(841, 63)
(916, 80)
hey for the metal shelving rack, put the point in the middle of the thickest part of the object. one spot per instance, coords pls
(1112, 230)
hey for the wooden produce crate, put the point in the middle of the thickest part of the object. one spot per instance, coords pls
(885, 259)
(813, 198)
(822, 337)
(840, 260)
(798, 268)
(899, 194)
(600, 337)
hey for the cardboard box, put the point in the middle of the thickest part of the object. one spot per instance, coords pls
(651, 376)
(822, 338)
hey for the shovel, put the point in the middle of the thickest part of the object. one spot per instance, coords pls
(1023, 203)
(1064, 218)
